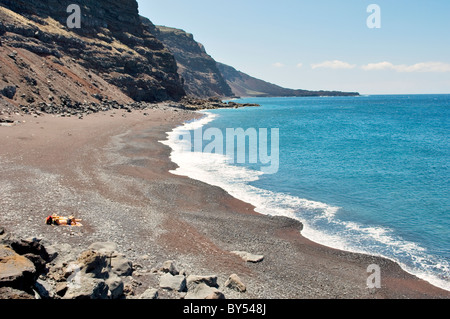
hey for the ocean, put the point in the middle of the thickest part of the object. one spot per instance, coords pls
(366, 174)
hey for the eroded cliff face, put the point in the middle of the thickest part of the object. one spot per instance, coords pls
(199, 70)
(113, 55)
(204, 77)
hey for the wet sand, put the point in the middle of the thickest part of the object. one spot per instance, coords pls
(110, 170)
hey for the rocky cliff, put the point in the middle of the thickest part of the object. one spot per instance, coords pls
(112, 56)
(204, 77)
(244, 85)
(199, 70)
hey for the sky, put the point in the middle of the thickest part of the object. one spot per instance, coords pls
(396, 47)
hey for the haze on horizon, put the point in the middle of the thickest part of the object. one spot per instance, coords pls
(322, 45)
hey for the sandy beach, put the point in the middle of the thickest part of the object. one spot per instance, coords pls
(110, 170)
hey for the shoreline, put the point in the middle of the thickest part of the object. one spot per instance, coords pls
(124, 171)
(426, 277)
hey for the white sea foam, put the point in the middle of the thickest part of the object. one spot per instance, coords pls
(320, 220)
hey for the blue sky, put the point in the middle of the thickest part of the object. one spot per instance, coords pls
(321, 44)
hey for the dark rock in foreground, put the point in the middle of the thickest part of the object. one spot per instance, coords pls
(30, 270)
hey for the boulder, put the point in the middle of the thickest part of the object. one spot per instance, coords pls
(115, 286)
(30, 248)
(95, 275)
(104, 247)
(171, 282)
(119, 264)
(44, 289)
(235, 283)
(150, 293)
(203, 291)
(11, 294)
(53, 251)
(9, 91)
(203, 287)
(64, 255)
(92, 262)
(248, 257)
(194, 280)
(16, 271)
(89, 288)
(169, 267)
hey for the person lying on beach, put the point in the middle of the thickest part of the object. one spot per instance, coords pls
(62, 221)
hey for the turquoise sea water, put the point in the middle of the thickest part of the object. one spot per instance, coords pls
(367, 174)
